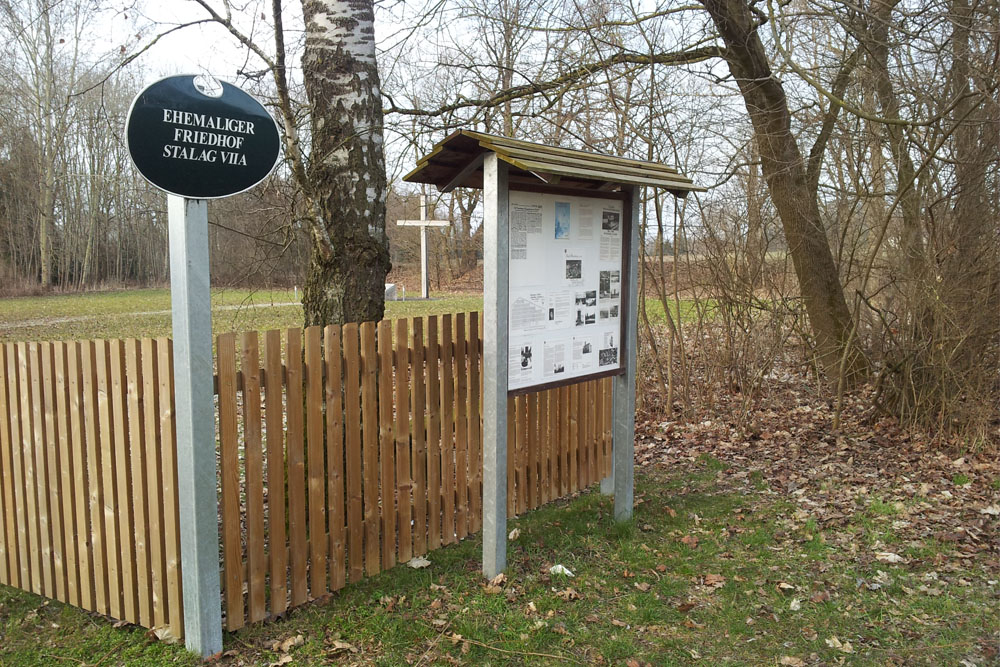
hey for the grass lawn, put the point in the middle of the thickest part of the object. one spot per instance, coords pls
(715, 568)
(145, 313)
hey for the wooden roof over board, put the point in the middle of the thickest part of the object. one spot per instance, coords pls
(457, 161)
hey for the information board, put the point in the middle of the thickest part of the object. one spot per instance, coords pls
(565, 288)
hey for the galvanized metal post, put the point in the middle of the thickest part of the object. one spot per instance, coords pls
(194, 407)
(496, 273)
(623, 409)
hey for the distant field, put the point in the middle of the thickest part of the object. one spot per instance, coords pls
(145, 313)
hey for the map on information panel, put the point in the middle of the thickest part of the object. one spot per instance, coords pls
(565, 292)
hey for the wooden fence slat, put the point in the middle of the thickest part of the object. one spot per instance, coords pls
(8, 475)
(352, 407)
(52, 490)
(137, 446)
(581, 411)
(38, 471)
(123, 476)
(447, 431)
(434, 401)
(335, 455)
(543, 448)
(587, 413)
(511, 456)
(419, 421)
(169, 499)
(564, 476)
(95, 476)
(254, 456)
(461, 430)
(67, 465)
(273, 414)
(296, 467)
(316, 470)
(387, 444)
(17, 396)
(113, 552)
(521, 457)
(552, 445)
(229, 463)
(534, 444)
(404, 483)
(475, 428)
(23, 463)
(154, 481)
(574, 438)
(370, 445)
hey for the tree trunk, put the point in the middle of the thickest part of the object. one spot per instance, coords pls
(347, 184)
(784, 170)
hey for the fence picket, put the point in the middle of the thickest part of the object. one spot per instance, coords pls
(533, 442)
(511, 456)
(38, 471)
(447, 431)
(230, 472)
(387, 473)
(273, 415)
(315, 464)
(520, 456)
(335, 455)
(9, 475)
(297, 544)
(352, 409)
(475, 455)
(461, 430)
(154, 481)
(123, 482)
(370, 445)
(404, 483)
(137, 460)
(67, 465)
(419, 422)
(434, 401)
(16, 399)
(53, 478)
(254, 457)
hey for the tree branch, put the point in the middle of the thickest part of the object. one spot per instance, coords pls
(567, 79)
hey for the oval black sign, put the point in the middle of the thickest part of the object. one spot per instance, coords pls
(201, 138)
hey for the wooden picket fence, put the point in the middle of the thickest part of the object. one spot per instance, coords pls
(343, 451)
(88, 477)
(362, 448)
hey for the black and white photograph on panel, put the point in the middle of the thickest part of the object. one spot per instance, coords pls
(610, 284)
(574, 269)
(587, 298)
(611, 221)
(608, 355)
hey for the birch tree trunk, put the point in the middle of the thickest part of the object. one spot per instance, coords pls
(346, 171)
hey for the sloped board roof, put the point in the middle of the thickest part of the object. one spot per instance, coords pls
(457, 162)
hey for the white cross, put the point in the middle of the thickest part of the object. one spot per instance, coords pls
(424, 223)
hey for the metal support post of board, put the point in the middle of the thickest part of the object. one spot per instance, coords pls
(496, 273)
(623, 406)
(194, 407)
